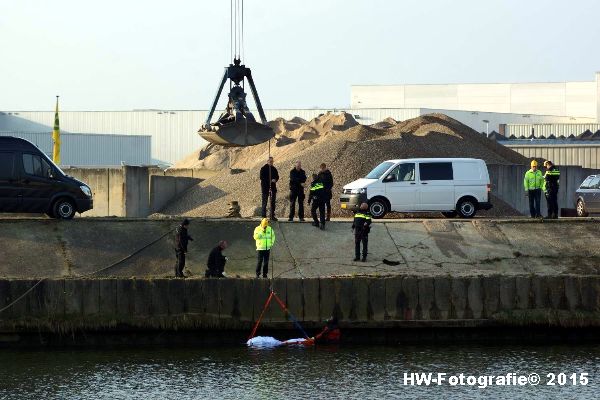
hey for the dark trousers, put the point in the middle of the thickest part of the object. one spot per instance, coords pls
(552, 200)
(265, 198)
(313, 211)
(179, 263)
(297, 196)
(328, 204)
(535, 197)
(358, 238)
(262, 260)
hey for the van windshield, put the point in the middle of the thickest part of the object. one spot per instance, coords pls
(379, 170)
(49, 160)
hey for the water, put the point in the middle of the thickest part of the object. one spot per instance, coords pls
(361, 372)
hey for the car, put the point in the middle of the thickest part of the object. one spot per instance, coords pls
(453, 186)
(31, 183)
(587, 197)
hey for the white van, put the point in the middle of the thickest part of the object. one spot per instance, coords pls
(448, 185)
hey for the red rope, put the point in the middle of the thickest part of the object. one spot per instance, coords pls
(261, 315)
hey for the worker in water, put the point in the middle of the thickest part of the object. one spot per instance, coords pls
(361, 226)
(318, 198)
(551, 181)
(533, 182)
(215, 266)
(327, 179)
(264, 236)
(330, 334)
(268, 184)
(181, 246)
(297, 183)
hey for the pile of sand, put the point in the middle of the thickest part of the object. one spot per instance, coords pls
(349, 149)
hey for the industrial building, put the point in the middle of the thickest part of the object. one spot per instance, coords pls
(574, 99)
(524, 108)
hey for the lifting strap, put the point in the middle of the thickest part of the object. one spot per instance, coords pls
(283, 307)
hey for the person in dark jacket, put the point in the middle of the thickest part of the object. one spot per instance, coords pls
(361, 226)
(550, 186)
(297, 182)
(327, 179)
(330, 334)
(318, 197)
(216, 261)
(181, 246)
(268, 184)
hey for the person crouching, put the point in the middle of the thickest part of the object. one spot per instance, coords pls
(215, 266)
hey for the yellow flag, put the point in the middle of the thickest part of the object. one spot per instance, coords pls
(56, 137)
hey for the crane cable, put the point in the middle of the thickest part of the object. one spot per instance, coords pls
(236, 29)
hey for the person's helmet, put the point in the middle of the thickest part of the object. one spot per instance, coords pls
(547, 163)
(185, 222)
(533, 163)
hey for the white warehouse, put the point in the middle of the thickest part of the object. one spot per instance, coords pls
(573, 99)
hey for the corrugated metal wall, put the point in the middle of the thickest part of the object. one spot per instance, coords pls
(545, 130)
(587, 156)
(92, 149)
(174, 133)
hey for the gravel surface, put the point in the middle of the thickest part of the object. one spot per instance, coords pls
(349, 149)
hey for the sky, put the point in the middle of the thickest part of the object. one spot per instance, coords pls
(125, 55)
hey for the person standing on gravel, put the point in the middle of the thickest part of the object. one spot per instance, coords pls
(327, 178)
(268, 184)
(297, 182)
(181, 242)
(533, 182)
(318, 197)
(264, 236)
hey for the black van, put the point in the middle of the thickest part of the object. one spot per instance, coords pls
(31, 183)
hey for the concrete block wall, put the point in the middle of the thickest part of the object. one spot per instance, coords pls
(165, 188)
(507, 184)
(65, 305)
(131, 191)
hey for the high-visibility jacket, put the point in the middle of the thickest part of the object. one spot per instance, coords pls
(551, 179)
(533, 180)
(265, 238)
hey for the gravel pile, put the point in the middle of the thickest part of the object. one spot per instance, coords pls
(349, 149)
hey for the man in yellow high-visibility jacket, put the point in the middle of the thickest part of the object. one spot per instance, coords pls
(533, 183)
(264, 236)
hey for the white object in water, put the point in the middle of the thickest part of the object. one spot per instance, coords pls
(263, 342)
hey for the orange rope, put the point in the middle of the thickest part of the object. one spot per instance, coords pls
(261, 315)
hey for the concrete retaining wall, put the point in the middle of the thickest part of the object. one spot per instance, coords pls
(129, 191)
(66, 305)
(163, 189)
(507, 184)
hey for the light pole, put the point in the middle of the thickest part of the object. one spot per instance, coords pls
(487, 126)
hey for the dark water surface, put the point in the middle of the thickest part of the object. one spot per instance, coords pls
(373, 372)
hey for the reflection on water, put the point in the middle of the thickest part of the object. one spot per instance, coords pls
(373, 372)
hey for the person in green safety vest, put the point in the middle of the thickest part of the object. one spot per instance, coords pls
(533, 183)
(264, 236)
(318, 197)
(361, 226)
(551, 180)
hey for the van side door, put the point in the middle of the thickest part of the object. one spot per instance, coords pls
(436, 186)
(10, 189)
(401, 187)
(37, 185)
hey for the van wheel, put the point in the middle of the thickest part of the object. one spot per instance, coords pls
(581, 209)
(449, 214)
(466, 208)
(378, 208)
(64, 209)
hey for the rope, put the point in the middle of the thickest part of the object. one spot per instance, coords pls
(261, 315)
(84, 276)
(283, 306)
